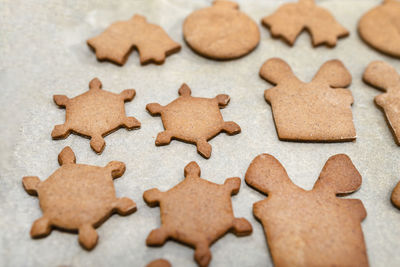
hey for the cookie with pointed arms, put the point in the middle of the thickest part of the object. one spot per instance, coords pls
(384, 77)
(318, 111)
(193, 119)
(292, 18)
(310, 228)
(94, 114)
(77, 198)
(380, 27)
(118, 40)
(221, 31)
(196, 212)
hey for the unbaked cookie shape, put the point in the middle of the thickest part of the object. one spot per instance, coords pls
(118, 40)
(193, 119)
(384, 77)
(94, 114)
(292, 18)
(380, 27)
(318, 111)
(77, 198)
(310, 228)
(196, 212)
(221, 31)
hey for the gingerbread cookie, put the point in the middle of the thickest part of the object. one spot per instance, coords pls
(94, 114)
(384, 77)
(221, 31)
(319, 111)
(159, 263)
(193, 119)
(396, 196)
(196, 212)
(77, 197)
(310, 228)
(292, 18)
(117, 41)
(380, 27)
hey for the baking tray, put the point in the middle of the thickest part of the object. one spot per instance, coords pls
(43, 52)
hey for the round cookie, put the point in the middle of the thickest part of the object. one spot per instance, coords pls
(221, 31)
(380, 28)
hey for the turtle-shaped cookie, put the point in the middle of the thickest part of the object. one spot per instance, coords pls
(77, 197)
(94, 114)
(196, 212)
(193, 119)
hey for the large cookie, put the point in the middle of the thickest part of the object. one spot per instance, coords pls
(94, 114)
(380, 27)
(193, 120)
(77, 197)
(383, 76)
(310, 228)
(196, 212)
(292, 18)
(318, 111)
(117, 41)
(221, 31)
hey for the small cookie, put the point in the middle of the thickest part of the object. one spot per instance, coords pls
(159, 263)
(292, 18)
(116, 42)
(396, 196)
(384, 77)
(196, 212)
(310, 228)
(193, 119)
(380, 27)
(221, 31)
(318, 111)
(77, 197)
(94, 114)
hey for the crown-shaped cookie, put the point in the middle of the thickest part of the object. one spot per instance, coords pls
(318, 111)
(310, 228)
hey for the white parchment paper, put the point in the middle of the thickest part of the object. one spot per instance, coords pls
(43, 52)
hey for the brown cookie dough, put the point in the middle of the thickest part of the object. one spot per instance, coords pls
(292, 18)
(117, 41)
(77, 198)
(193, 119)
(380, 27)
(221, 31)
(384, 77)
(310, 228)
(159, 263)
(94, 114)
(196, 212)
(396, 196)
(318, 111)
